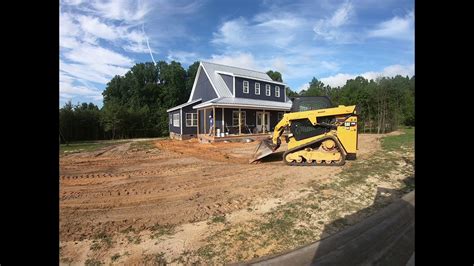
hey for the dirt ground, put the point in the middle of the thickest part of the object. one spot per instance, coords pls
(108, 193)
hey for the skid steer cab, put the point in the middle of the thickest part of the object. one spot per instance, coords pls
(320, 133)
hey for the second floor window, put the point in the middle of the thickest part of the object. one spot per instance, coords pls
(246, 86)
(268, 92)
(257, 88)
(277, 91)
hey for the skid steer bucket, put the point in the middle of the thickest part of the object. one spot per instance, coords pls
(264, 148)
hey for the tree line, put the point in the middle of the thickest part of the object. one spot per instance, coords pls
(135, 104)
(383, 104)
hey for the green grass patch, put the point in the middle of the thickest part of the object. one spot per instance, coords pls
(207, 252)
(218, 219)
(93, 262)
(115, 257)
(101, 240)
(134, 239)
(159, 230)
(83, 147)
(400, 142)
(144, 145)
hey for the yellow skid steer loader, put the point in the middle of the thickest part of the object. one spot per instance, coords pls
(319, 133)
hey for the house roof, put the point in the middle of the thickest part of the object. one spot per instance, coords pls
(215, 72)
(245, 103)
(183, 105)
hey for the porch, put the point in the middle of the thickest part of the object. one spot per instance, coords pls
(233, 123)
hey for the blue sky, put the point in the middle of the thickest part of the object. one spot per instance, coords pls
(330, 40)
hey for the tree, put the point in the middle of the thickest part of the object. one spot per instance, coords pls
(316, 88)
(275, 75)
(190, 76)
(290, 92)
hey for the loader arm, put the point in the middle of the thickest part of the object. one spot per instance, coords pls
(278, 131)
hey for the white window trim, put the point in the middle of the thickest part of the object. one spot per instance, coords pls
(268, 90)
(243, 86)
(193, 118)
(277, 91)
(244, 116)
(256, 88)
(176, 118)
(171, 119)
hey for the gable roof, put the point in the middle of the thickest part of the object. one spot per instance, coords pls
(183, 105)
(215, 71)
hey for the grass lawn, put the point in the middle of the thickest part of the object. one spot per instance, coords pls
(88, 146)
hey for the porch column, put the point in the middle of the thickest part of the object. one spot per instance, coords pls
(222, 126)
(214, 119)
(205, 121)
(240, 122)
(263, 121)
(197, 123)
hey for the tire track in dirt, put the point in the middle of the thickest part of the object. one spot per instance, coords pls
(181, 182)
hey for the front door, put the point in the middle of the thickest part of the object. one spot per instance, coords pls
(259, 122)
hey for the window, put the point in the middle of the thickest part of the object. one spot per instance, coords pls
(235, 118)
(257, 88)
(176, 120)
(268, 92)
(277, 91)
(171, 119)
(191, 120)
(280, 116)
(246, 86)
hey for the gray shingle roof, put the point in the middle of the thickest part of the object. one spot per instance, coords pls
(183, 105)
(212, 70)
(245, 102)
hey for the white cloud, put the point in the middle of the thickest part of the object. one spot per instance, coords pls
(67, 27)
(72, 2)
(279, 65)
(67, 89)
(341, 16)
(123, 10)
(263, 30)
(99, 73)
(88, 54)
(337, 80)
(395, 28)
(329, 29)
(390, 71)
(303, 87)
(331, 66)
(232, 32)
(94, 26)
(183, 56)
(243, 60)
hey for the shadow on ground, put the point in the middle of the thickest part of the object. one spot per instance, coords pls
(382, 238)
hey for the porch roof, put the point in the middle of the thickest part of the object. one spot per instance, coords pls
(182, 105)
(245, 103)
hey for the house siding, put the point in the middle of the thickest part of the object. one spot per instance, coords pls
(239, 92)
(229, 81)
(203, 89)
(188, 130)
(172, 128)
(182, 120)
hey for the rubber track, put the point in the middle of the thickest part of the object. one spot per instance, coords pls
(339, 146)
